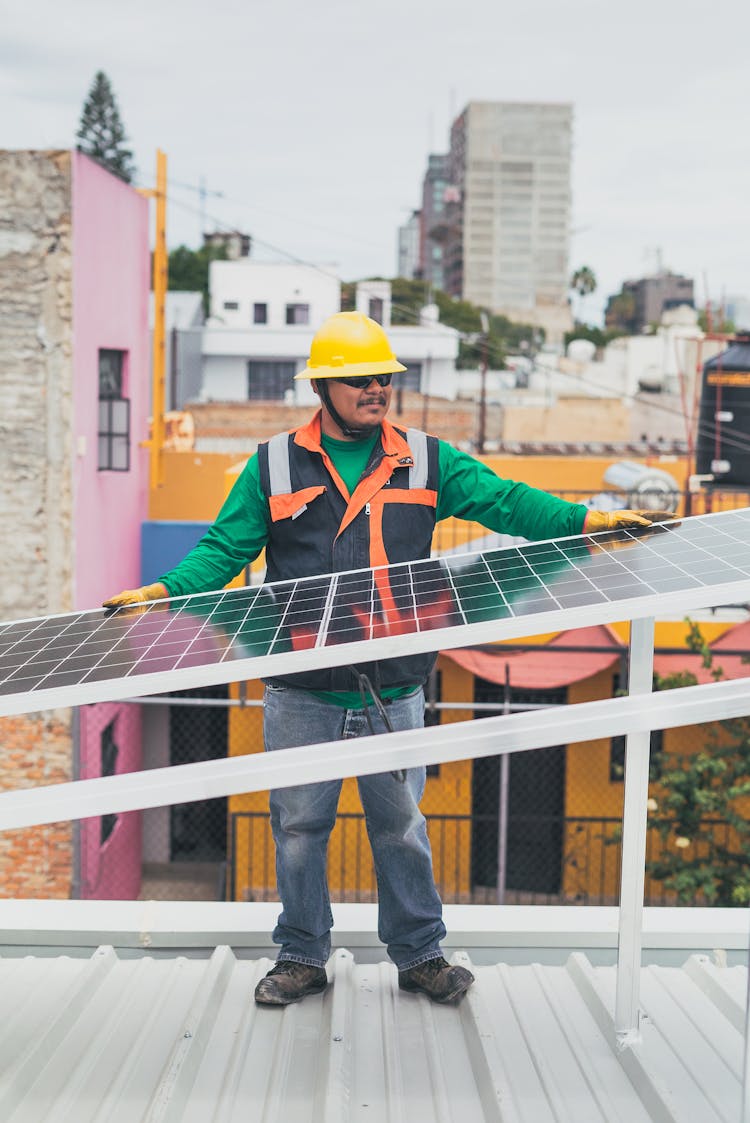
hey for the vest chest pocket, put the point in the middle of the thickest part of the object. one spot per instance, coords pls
(292, 504)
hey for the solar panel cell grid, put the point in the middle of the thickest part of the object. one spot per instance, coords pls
(466, 598)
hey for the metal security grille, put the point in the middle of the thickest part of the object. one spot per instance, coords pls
(517, 820)
(269, 381)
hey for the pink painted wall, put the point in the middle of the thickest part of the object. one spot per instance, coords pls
(110, 310)
(110, 870)
(111, 265)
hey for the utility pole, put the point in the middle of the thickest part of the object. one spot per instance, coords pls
(203, 195)
(426, 391)
(158, 362)
(484, 340)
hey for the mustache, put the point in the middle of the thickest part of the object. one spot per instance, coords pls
(378, 400)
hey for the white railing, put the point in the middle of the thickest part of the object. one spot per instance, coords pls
(634, 716)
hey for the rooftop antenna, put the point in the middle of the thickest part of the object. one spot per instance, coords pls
(655, 253)
(452, 104)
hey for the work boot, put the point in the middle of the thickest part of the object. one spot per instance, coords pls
(437, 979)
(289, 982)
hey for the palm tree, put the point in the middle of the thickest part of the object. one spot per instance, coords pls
(583, 283)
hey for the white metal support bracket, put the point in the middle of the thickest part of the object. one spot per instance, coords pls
(634, 815)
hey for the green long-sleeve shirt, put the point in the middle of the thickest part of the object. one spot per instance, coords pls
(467, 490)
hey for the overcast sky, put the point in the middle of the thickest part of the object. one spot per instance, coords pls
(314, 119)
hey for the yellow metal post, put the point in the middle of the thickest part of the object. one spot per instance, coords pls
(160, 266)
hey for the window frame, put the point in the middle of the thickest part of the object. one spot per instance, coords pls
(113, 416)
(297, 315)
(276, 375)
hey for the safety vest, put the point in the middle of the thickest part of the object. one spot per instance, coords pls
(318, 528)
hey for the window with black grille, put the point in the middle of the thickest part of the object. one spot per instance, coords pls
(269, 381)
(410, 379)
(114, 414)
(109, 752)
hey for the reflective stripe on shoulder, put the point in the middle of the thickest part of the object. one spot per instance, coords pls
(279, 468)
(417, 441)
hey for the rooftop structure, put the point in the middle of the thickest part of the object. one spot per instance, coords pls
(629, 1041)
(144, 1011)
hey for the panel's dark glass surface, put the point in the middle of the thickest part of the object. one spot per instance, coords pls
(401, 600)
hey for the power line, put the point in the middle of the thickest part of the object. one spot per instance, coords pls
(737, 441)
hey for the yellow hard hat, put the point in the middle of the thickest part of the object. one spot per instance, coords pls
(350, 343)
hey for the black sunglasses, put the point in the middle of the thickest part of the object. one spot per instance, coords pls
(359, 381)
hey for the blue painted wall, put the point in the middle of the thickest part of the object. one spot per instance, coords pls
(165, 543)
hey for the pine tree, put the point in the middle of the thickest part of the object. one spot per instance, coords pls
(101, 134)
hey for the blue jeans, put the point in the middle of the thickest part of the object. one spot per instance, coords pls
(410, 912)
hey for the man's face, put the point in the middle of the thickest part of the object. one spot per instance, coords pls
(360, 408)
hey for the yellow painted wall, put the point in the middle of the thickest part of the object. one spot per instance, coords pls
(194, 486)
(448, 793)
(194, 489)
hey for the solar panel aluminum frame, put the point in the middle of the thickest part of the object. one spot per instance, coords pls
(679, 600)
(493, 736)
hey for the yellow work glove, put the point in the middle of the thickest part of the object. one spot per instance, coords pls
(137, 596)
(596, 521)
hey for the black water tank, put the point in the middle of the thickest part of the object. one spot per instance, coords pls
(723, 444)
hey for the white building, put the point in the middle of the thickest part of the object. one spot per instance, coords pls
(263, 316)
(183, 333)
(663, 361)
(641, 389)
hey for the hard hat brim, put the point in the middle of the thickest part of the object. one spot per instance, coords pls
(350, 370)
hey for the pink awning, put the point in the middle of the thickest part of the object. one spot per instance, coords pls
(735, 639)
(546, 668)
(543, 668)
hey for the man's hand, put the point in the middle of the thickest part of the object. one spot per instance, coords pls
(596, 521)
(137, 596)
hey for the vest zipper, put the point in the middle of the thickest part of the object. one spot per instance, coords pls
(367, 509)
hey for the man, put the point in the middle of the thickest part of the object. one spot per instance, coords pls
(344, 492)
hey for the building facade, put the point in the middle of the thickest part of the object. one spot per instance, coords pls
(263, 316)
(432, 241)
(74, 356)
(641, 304)
(496, 212)
(407, 259)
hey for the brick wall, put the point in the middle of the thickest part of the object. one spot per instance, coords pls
(36, 294)
(35, 749)
(456, 422)
(36, 499)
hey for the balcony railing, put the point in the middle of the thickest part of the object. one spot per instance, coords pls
(587, 873)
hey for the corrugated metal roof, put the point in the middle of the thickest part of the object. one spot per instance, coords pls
(159, 1036)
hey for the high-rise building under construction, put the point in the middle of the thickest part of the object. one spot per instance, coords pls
(504, 229)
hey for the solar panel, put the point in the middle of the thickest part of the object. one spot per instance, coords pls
(354, 617)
